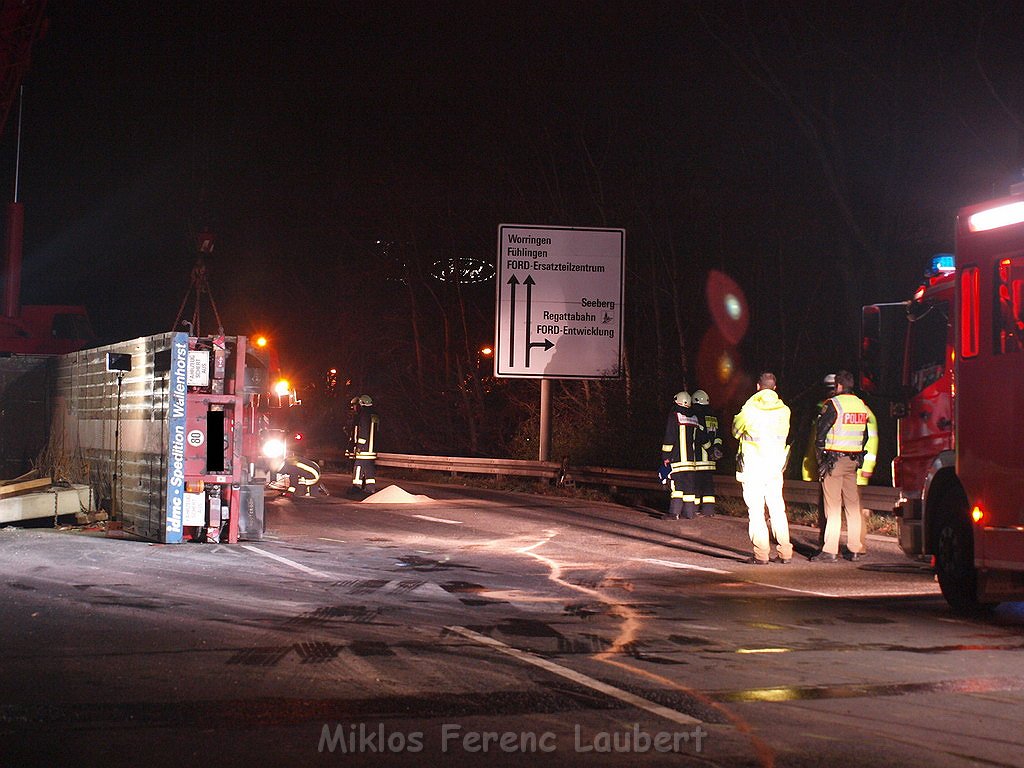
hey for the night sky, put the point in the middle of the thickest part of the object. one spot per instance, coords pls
(816, 152)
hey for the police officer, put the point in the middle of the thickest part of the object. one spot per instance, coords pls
(363, 445)
(679, 455)
(762, 427)
(708, 452)
(843, 433)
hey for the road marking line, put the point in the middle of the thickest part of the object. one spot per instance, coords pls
(325, 538)
(438, 520)
(794, 589)
(844, 595)
(833, 595)
(577, 677)
(681, 566)
(290, 563)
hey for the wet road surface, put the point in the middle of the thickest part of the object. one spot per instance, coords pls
(489, 628)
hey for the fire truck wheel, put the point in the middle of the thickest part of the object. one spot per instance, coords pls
(954, 555)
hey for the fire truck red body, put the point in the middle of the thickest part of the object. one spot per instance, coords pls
(958, 393)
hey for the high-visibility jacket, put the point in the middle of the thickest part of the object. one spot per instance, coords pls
(711, 437)
(682, 437)
(845, 425)
(762, 427)
(810, 462)
(870, 450)
(364, 434)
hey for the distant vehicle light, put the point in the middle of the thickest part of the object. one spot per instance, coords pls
(486, 351)
(993, 218)
(977, 514)
(261, 341)
(297, 436)
(282, 388)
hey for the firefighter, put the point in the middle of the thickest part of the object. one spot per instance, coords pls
(298, 477)
(363, 445)
(679, 455)
(709, 451)
(844, 430)
(762, 427)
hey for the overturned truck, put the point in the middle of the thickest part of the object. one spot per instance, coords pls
(165, 432)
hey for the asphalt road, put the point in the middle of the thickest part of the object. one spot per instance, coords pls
(487, 628)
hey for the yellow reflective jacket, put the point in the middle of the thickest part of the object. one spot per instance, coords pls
(762, 427)
(810, 461)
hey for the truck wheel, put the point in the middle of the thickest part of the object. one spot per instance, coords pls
(954, 555)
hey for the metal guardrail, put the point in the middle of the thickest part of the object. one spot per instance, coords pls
(875, 498)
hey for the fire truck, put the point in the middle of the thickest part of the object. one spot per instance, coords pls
(951, 362)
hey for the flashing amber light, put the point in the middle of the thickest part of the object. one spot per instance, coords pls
(977, 514)
(261, 341)
(993, 218)
(194, 486)
(486, 351)
(282, 388)
(333, 371)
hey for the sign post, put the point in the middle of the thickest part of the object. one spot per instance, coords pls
(559, 306)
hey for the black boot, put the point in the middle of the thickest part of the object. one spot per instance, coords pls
(675, 509)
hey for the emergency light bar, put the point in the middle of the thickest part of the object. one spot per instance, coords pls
(993, 218)
(941, 264)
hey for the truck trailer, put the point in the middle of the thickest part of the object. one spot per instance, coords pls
(165, 430)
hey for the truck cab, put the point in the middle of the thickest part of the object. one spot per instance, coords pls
(951, 362)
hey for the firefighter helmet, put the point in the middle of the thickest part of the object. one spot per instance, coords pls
(683, 399)
(365, 400)
(700, 397)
